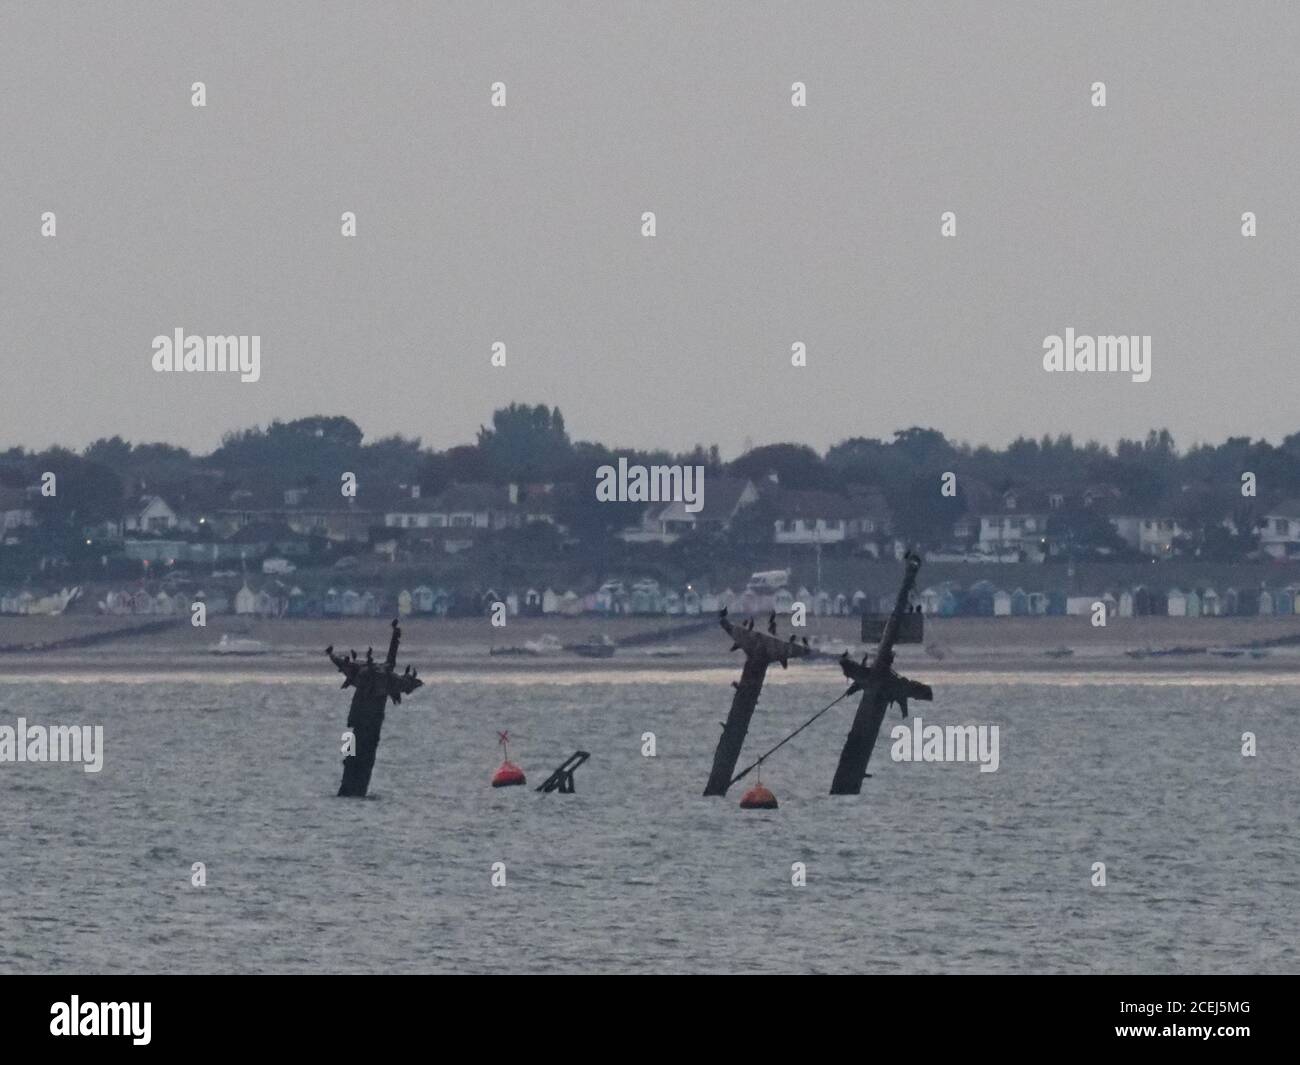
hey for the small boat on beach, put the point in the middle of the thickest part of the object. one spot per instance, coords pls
(239, 645)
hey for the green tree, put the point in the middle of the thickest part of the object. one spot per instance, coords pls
(525, 443)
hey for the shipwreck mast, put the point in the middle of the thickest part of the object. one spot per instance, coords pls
(374, 683)
(880, 686)
(761, 650)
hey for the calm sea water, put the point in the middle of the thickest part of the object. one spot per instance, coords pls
(933, 868)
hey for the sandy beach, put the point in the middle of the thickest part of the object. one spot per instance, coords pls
(294, 646)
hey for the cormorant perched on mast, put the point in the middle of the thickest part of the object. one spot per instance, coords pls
(880, 686)
(761, 650)
(375, 684)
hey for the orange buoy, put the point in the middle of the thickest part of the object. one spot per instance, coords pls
(758, 798)
(507, 773)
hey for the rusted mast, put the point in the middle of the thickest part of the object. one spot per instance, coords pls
(880, 686)
(761, 650)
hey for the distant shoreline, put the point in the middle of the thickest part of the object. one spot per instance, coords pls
(461, 646)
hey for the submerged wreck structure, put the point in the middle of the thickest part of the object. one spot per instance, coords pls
(761, 650)
(374, 683)
(879, 684)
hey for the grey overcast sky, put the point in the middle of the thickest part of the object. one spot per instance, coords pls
(775, 224)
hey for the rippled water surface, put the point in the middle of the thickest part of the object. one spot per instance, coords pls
(933, 868)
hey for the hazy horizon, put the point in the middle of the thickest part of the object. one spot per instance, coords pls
(775, 224)
(577, 436)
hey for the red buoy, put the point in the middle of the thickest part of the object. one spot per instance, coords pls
(758, 798)
(507, 773)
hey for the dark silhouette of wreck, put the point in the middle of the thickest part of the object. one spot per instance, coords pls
(374, 683)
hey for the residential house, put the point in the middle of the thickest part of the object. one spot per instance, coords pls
(1020, 525)
(724, 498)
(315, 511)
(15, 510)
(1151, 534)
(477, 506)
(810, 516)
(1279, 530)
(410, 510)
(150, 514)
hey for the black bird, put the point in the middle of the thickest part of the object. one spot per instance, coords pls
(805, 640)
(771, 623)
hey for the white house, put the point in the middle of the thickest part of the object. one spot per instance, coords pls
(1279, 530)
(1021, 525)
(411, 511)
(724, 498)
(1152, 535)
(475, 506)
(815, 517)
(14, 509)
(151, 514)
